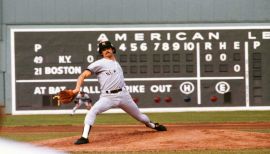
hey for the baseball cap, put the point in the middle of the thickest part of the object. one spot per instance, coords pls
(105, 45)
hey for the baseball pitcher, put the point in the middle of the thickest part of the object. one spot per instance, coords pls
(113, 92)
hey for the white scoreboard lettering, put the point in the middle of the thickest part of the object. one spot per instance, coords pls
(171, 63)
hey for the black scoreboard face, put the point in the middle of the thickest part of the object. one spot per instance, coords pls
(165, 68)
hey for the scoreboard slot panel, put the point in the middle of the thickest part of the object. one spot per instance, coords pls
(257, 78)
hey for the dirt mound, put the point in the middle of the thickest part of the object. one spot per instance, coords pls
(178, 137)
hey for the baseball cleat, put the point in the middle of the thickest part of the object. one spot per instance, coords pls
(81, 140)
(159, 127)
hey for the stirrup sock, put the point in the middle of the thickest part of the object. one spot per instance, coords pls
(86, 131)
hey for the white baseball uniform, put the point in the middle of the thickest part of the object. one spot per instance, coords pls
(113, 93)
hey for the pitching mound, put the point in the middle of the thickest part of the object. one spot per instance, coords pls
(178, 137)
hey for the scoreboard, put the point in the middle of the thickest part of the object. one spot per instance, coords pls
(165, 68)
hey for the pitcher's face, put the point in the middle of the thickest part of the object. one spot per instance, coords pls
(107, 53)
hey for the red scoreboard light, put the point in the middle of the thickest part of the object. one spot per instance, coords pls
(213, 98)
(168, 99)
(157, 99)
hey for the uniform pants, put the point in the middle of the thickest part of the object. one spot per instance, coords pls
(121, 100)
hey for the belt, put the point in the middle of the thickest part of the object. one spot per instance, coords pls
(113, 91)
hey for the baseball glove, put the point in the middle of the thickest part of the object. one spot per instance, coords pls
(64, 97)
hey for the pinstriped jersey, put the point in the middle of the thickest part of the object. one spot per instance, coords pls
(109, 74)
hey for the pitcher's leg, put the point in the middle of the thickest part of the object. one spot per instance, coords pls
(133, 110)
(130, 107)
(103, 104)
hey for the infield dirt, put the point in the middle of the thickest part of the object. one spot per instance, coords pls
(116, 138)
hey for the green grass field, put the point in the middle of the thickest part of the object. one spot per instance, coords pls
(120, 119)
(116, 119)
